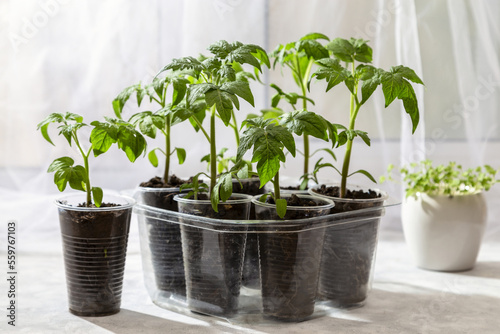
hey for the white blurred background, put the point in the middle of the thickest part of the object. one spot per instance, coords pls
(68, 55)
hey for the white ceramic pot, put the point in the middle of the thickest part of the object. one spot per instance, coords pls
(444, 233)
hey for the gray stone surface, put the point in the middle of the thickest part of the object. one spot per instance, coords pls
(404, 299)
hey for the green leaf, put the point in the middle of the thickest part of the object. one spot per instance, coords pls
(342, 49)
(365, 173)
(313, 49)
(363, 135)
(315, 35)
(66, 173)
(408, 73)
(181, 155)
(240, 88)
(305, 122)
(153, 158)
(226, 186)
(103, 136)
(66, 128)
(97, 196)
(147, 122)
(122, 98)
(227, 72)
(185, 63)
(196, 92)
(332, 72)
(393, 84)
(281, 207)
(223, 103)
(411, 108)
(180, 89)
(131, 142)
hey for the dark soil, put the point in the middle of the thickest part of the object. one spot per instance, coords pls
(213, 260)
(248, 186)
(161, 199)
(165, 237)
(157, 182)
(95, 245)
(342, 206)
(289, 264)
(353, 194)
(348, 252)
(294, 200)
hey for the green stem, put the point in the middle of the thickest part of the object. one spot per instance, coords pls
(277, 193)
(235, 128)
(354, 108)
(167, 151)
(85, 157)
(213, 151)
(303, 87)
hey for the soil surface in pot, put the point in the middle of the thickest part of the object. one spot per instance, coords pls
(334, 191)
(294, 200)
(157, 182)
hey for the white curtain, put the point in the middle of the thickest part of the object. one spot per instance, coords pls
(68, 55)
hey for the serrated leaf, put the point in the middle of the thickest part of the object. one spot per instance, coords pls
(131, 142)
(305, 122)
(66, 173)
(122, 98)
(196, 92)
(408, 73)
(179, 90)
(97, 196)
(102, 137)
(392, 86)
(332, 72)
(267, 169)
(281, 207)
(363, 135)
(368, 88)
(181, 155)
(226, 188)
(185, 63)
(342, 49)
(313, 49)
(240, 88)
(146, 122)
(411, 108)
(227, 72)
(223, 103)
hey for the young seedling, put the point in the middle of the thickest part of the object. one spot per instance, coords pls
(298, 57)
(451, 180)
(162, 120)
(268, 140)
(215, 83)
(269, 137)
(362, 80)
(102, 137)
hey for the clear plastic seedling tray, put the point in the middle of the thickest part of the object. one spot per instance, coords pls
(195, 264)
